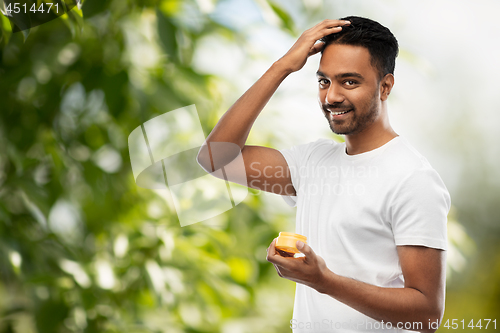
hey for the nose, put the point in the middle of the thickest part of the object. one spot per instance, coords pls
(334, 95)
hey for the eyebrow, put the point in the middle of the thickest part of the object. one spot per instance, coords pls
(342, 75)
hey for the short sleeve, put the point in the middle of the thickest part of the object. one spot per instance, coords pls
(419, 210)
(297, 158)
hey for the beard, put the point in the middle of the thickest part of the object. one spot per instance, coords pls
(356, 122)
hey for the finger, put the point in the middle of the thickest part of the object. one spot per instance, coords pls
(306, 250)
(316, 48)
(326, 25)
(271, 251)
(278, 270)
(325, 32)
(284, 253)
(272, 247)
(332, 24)
(283, 272)
(269, 246)
(275, 258)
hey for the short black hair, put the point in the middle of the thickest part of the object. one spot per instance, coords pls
(379, 41)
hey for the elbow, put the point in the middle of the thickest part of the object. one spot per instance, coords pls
(219, 155)
(203, 159)
(432, 321)
(206, 161)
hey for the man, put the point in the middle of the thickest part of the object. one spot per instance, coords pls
(372, 208)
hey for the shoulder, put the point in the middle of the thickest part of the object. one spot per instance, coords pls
(414, 173)
(408, 168)
(403, 159)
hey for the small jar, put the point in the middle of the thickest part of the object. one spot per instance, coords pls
(287, 242)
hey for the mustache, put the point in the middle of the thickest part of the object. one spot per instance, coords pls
(337, 106)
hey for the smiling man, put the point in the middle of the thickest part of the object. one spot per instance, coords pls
(372, 208)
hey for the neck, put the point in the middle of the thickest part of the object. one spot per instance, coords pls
(372, 137)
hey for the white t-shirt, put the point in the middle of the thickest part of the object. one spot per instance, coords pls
(355, 210)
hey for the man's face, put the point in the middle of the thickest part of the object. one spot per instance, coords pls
(349, 91)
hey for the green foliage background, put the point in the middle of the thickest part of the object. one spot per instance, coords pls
(70, 90)
(67, 91)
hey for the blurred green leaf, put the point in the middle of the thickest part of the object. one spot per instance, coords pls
(20, 20)
(93, 7)
(285, 18)
(167, 33)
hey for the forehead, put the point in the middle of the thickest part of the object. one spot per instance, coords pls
(340, 58)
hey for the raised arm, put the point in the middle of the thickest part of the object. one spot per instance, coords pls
(234, 126)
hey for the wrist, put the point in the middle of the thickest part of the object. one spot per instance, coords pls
(326, 282)
(281, 68)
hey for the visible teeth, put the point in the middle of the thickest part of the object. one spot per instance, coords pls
(337, 113)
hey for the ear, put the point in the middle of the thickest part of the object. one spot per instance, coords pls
(386, 85)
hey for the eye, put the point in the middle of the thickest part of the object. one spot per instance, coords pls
(350, 82)
(323, 82)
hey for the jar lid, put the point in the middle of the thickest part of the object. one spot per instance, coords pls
(291, 234)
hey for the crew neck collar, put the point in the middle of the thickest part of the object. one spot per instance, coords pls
(370, 153)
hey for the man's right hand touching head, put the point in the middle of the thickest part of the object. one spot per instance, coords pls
(307, 44)
(265, 168)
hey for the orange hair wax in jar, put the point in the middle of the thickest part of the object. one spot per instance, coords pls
(287, 243)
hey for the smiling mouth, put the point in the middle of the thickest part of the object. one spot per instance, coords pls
(338, 113)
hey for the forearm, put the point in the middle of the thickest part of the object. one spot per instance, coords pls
(395, 305)
(234, 126)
